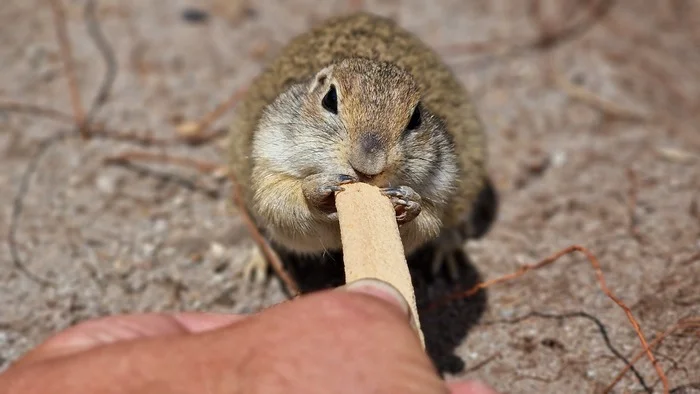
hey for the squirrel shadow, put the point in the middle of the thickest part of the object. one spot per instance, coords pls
(445, 326)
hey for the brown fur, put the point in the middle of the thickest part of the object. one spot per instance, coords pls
(399, 60)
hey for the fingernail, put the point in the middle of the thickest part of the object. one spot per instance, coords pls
(379, 289)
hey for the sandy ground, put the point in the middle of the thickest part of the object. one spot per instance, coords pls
(568, 170)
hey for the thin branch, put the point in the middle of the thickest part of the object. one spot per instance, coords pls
(483, 363)
(68, 66)
(125, 157)
(270, 254)
(143, 139)
(163, 176)
(95, 32)
(547, 39)
(196, 132)
(18, 206)
(601, 328)
(36, 110)
(601, 281)
(607, 107)
(681, 325)
(597, 11)
(693, 258)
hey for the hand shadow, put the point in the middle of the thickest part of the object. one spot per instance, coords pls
(446, 325)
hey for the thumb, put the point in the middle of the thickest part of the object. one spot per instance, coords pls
(389, 294)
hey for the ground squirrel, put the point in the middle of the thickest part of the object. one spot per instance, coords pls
(358, 98)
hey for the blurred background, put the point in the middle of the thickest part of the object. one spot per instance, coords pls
(592, 111)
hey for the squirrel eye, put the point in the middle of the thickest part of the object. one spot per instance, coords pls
(415, 121)
(330, 100)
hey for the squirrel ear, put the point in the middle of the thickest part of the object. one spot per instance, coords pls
(321, 79)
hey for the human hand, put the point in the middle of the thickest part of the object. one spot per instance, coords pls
(355, 340)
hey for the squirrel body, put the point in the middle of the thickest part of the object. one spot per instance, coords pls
(357, 98)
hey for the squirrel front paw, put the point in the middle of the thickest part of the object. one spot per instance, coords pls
(319, 190)
(406, 202)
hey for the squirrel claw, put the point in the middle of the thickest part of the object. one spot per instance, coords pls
(345, 179)
(405, 210)
(406, 203)
(402, 192)
(319, 191)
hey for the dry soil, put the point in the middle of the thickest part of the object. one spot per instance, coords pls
(593, 140)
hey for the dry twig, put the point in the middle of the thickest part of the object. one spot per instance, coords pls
(681, 325)
(693, 258)
(35, 110)
(270, 254)
(596, 11)
(68, 66)
(95, 32)
(601, 328)
(195, 132)
(201, 166)
(483, 363)
(18, 207)
(140, 138)
(607, 107)
(601, 281)
(548, 38)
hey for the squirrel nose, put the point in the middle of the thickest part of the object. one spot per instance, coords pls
(368, 158)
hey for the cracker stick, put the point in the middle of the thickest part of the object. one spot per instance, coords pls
(372, 246)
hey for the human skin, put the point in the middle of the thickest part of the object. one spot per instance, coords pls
(354, 340)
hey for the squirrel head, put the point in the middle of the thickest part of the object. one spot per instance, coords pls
(376, 106)
(357, 115)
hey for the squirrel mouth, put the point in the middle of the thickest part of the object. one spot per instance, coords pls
(380, 180)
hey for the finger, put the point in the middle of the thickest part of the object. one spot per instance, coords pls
(388, 293)
(102, 331)
(342, 341)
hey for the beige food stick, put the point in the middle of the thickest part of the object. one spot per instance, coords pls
(372, 246)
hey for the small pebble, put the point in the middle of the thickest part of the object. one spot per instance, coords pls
(148, 248)
(160, 225)
(217, 251)
(194, 15)
(676, 155)
(178, 201)
(106, 184)
(558, 158)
